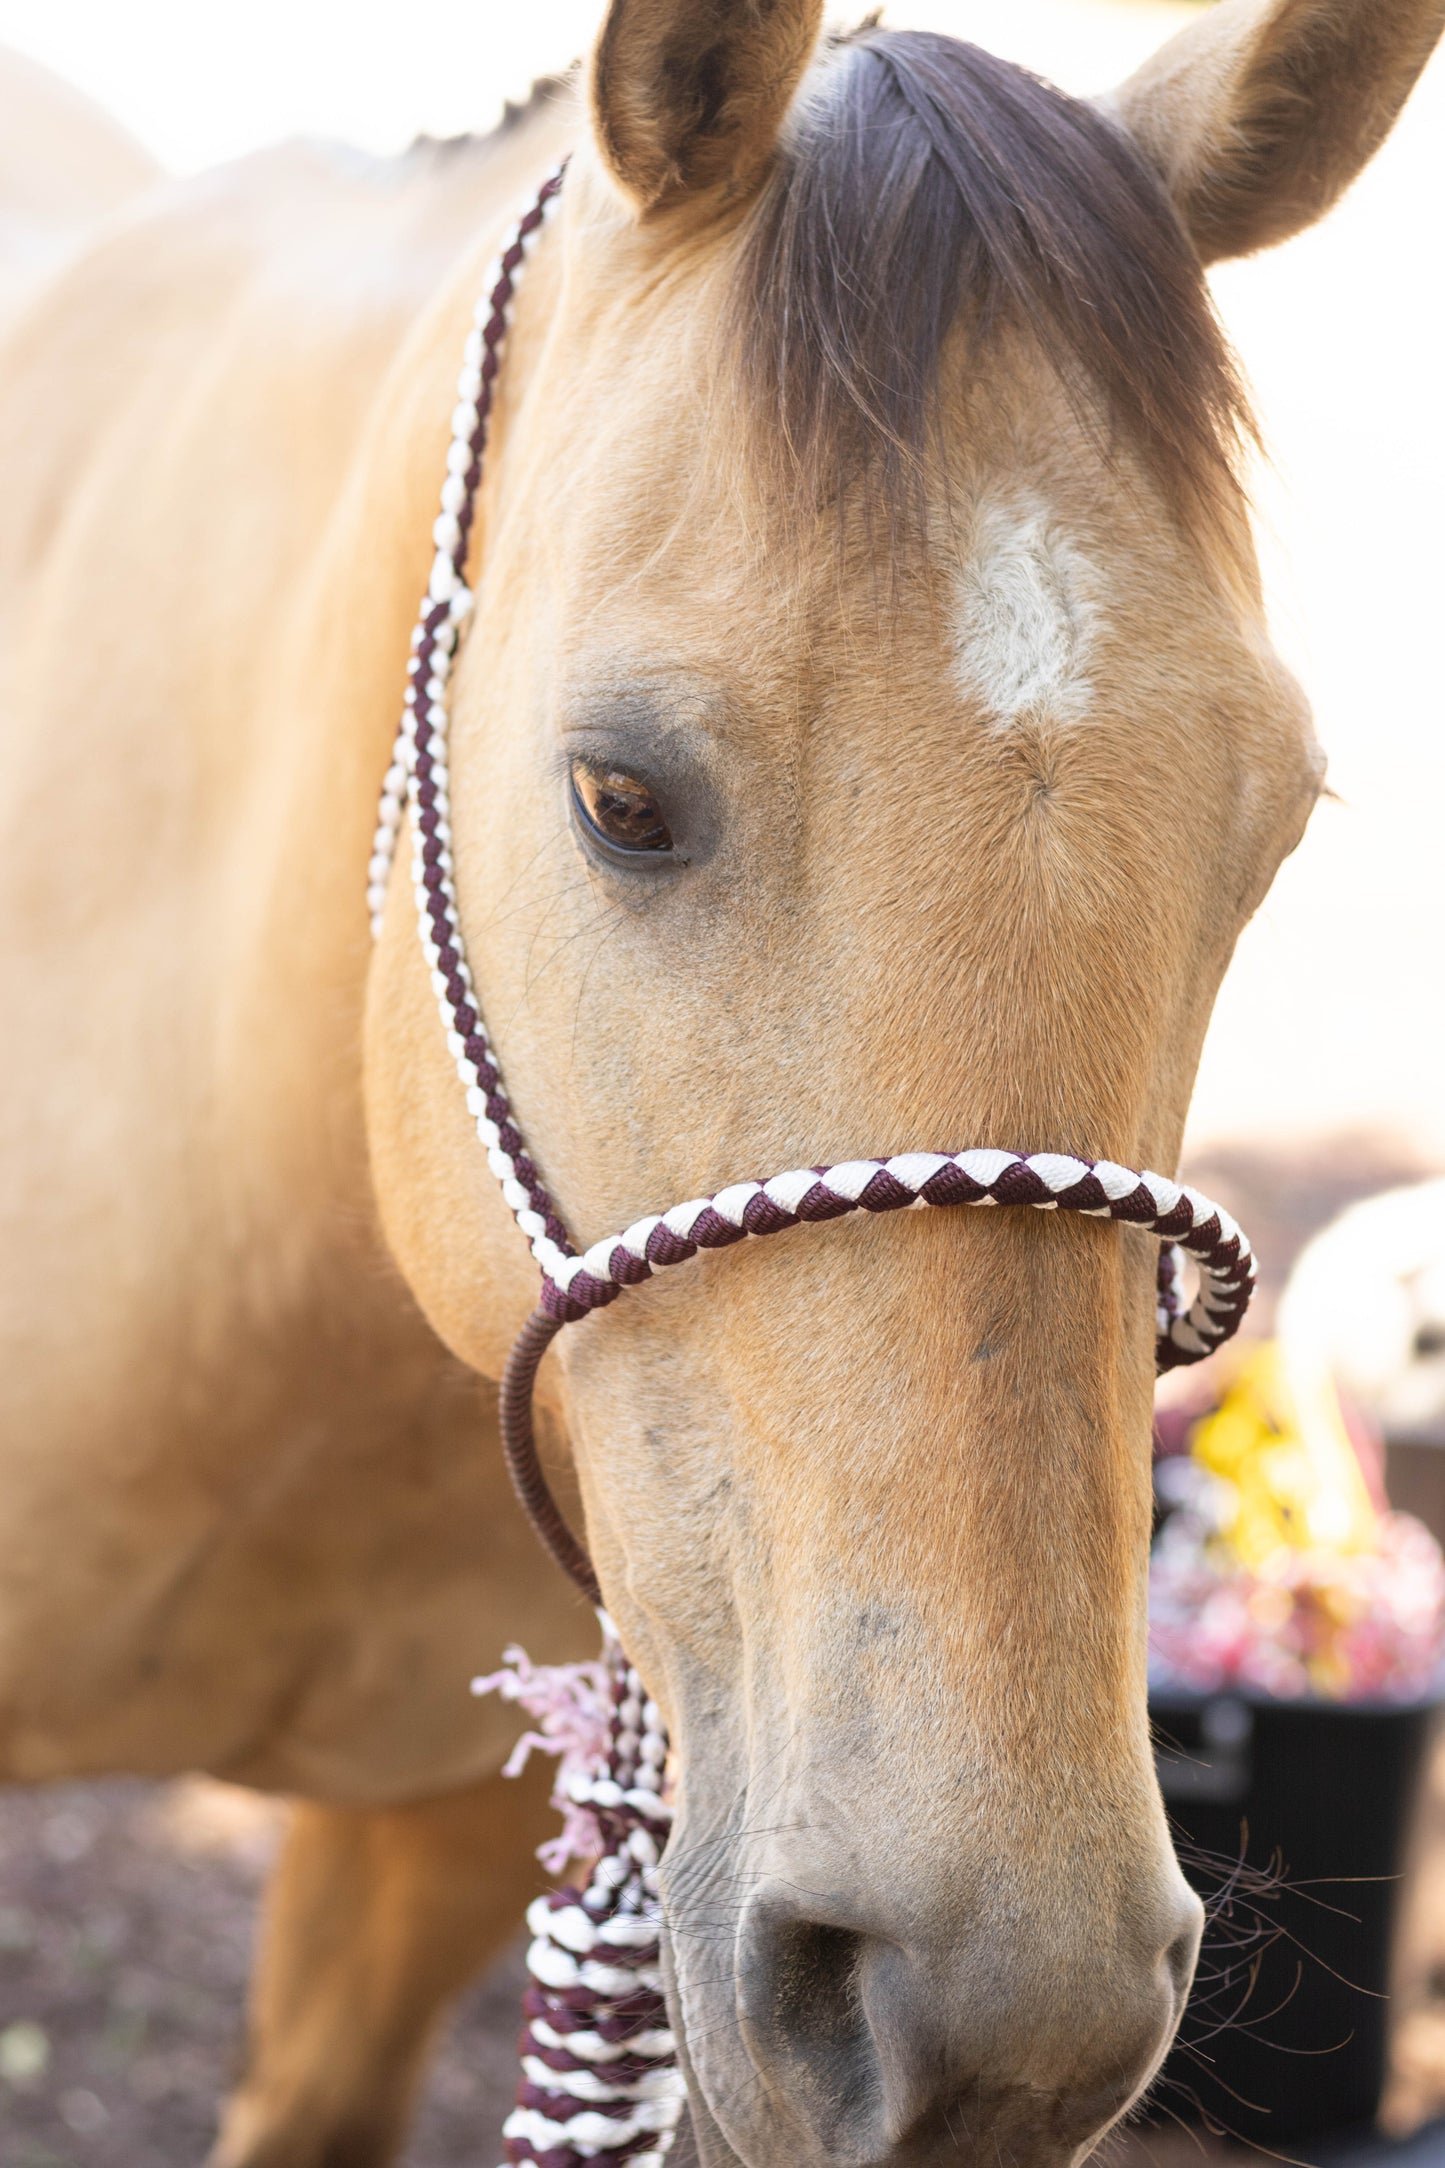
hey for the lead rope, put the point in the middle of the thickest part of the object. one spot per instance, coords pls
(600, 2078)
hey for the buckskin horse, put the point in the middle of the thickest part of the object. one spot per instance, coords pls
(868, 735)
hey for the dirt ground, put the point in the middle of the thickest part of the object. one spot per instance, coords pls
(128, 1909)
(127, 1912)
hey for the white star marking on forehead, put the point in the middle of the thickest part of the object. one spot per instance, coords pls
(1026, 617)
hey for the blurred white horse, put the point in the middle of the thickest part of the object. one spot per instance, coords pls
(1365, 1304)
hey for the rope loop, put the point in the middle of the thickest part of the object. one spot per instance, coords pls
(1181, 1217)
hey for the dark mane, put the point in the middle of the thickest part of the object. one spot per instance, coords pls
(926, 181)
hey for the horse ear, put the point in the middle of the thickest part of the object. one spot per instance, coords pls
(688, 96)
(1259, 116)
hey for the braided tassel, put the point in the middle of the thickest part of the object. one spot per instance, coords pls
(600, 2081)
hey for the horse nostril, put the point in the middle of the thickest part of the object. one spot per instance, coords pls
(814, 2002)
(1182, 1953)
(804, 2011)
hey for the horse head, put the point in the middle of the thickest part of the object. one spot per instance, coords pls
(868, 738)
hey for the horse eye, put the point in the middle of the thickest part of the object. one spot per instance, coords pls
(619, 810)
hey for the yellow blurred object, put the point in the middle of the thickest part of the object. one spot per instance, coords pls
(1281, 1443)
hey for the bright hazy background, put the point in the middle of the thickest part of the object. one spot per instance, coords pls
(1334, 1014)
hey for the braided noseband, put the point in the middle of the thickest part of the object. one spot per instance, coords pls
(600, 2080)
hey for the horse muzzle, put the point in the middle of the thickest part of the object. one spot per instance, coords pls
(822, 2021)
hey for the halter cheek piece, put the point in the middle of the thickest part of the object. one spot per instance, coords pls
(600, 2080)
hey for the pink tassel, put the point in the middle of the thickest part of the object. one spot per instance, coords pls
(572, 1705)
(600, 2083)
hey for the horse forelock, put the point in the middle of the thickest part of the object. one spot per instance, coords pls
(924, 184)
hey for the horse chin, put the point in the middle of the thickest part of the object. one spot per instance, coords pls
(1014, 2123)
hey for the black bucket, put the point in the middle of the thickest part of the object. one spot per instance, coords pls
(1317, 1799)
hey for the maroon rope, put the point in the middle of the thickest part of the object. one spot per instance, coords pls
(519, 1443)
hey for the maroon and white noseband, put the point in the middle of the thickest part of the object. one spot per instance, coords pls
(1049, 1181)
(600, 2079)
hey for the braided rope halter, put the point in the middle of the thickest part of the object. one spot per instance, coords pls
(600, 2078)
